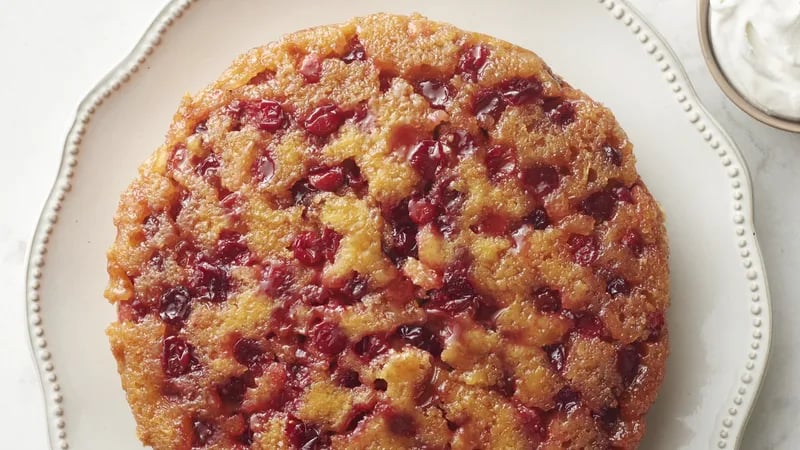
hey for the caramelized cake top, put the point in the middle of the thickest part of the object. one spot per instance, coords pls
(390, 233)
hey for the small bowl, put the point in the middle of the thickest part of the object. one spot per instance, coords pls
(703, 16)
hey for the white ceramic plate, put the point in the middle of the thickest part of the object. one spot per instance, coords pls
(720, 315)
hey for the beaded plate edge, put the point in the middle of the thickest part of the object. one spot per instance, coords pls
(37, 252)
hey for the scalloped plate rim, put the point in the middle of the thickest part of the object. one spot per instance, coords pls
(116, 77)
(51, 206)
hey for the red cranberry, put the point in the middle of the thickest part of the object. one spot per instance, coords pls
(133, 310)
(488, 104)
(403, 241)
(547, 300)
(157, 261)
(628, 360)
(472, 61)
(608, 417)
(209, 168)
(231, 202)
(327, 179)
(231, 248)
(623, 194)
(401, 424)
(315, 295)
(427, 158)
(501, 163)
(276, 278)
(585, 249)
(599, 205)
(557, 356)
(421, 337)
(370, 346)
(355, 289)
(248, 352)
(561, 113)
(506, 386)
(298, 377)
(330, 243)
(448, 202)
(359, 112)
(311, 68)
(618, 286)
(347, 378)
(329, 338)
(612, 155)
(458, 294)
(532, 421)
(231, 392)
(185, 253)
(263, 168)
(486, 312)
(356, 52)
(177, 358)
(590, 325)
(446, 223)
(421, 210)
(150, 226)
(634, 242)
(567, 399)
(222, 192)
(303, 436)
(402, 238)
(521, 91)
(655, 326)
(352, 174)
(175, 306)
(385, 81)
(380, 384)
(266, 115)
(210, 282)
(541, 180)
(538, 219)
(201, 432)
(246, 437)
(280, 321)
(302, 192)
(437, 93)
(176, 207)
(492, 224)
(324, 120)
(461, 142)
(262, 77)
(312, 248)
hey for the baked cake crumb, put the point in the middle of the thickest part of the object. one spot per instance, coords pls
(390, 233)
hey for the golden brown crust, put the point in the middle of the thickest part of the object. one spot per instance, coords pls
(390, 233)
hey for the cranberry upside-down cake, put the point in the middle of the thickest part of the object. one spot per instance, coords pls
(390, 234)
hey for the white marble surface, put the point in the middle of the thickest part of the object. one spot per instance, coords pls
(53, 53)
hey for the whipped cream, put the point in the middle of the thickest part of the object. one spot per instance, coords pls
(757, 45)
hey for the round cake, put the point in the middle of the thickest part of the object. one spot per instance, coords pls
(390, 234)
